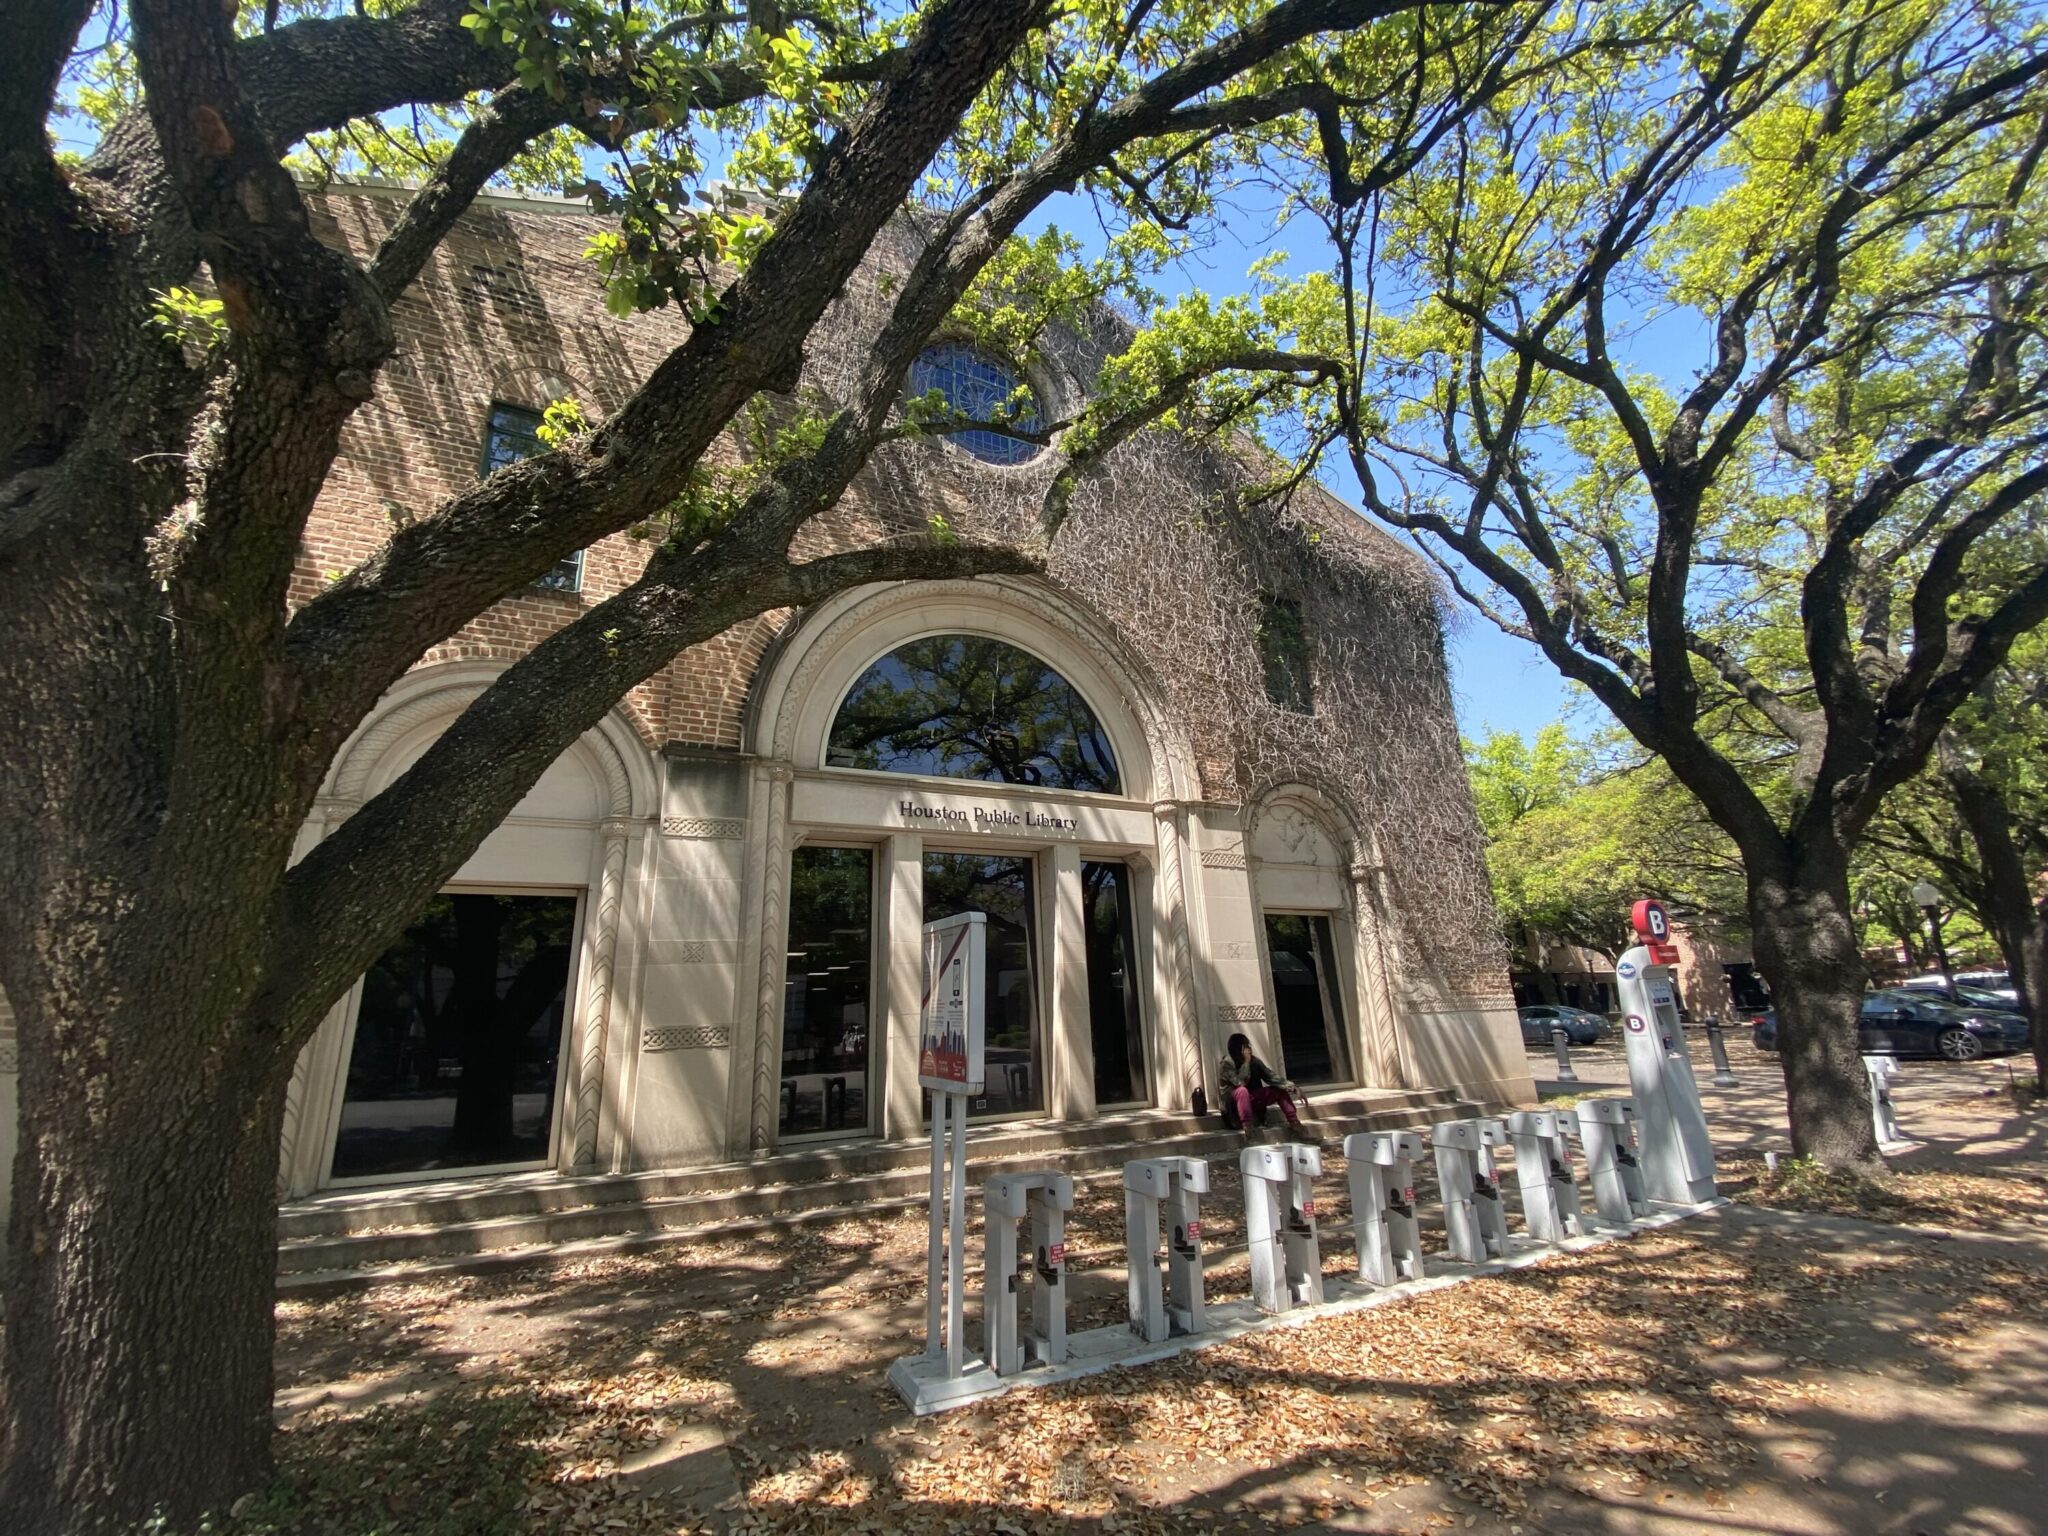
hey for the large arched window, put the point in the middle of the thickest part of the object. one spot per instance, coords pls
(972, 707)
(979, 387)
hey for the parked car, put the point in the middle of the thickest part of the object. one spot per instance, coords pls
(1986, 992)
(1905, 1021)
(1580, 1027)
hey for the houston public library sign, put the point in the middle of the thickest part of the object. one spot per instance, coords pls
(982, 818)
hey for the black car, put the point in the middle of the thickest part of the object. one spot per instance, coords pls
(1976, 999)
(1580, 1027)
(1904, 1021)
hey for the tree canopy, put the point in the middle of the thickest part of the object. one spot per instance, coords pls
(1706, 356)
(1576, 833)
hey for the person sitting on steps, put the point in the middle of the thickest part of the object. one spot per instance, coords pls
(1249, 1085)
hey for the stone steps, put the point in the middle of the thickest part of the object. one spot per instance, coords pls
(507, 1215)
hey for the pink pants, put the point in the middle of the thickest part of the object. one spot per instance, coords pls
(1252, 1102)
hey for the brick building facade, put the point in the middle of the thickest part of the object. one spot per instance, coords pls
(1226, 795)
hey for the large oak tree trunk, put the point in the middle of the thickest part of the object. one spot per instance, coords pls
(143, 826)
(2031, 978)
(1805, 944)
(2017, 918)
(139, 1311)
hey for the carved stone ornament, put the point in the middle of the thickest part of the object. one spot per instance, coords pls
(679, 1037)
(704, 828)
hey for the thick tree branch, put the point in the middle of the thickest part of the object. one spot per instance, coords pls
(439, 572)
(494, 135)
(384, 863)
(40, 37)
(1976, 648)
(1803, 728)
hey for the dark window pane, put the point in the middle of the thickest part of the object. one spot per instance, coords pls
(825, 999)
(1283, 648)
(512, 433)
(978, 387)
(1311, 1021)
(970, 707)
(1113, 1013)
(968, 882)
(458, 1039)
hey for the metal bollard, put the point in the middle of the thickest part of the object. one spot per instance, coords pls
(1562, 1044)
(1383, 1204)
(1471, 1189)
(1042, 1199)
(1280, 1224)
(1724, 1075)
(1883, 1119)
(1543, 1174)
(1607, 1131)
(1172, 1186)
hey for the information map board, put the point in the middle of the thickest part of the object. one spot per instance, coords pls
(952, 1029)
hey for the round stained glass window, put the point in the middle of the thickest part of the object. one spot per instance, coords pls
(981, 388)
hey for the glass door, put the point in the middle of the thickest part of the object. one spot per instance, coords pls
(1003, 888)
(1311, 1021)
(457, 1054)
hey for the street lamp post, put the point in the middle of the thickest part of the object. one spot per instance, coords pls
(1927, 897)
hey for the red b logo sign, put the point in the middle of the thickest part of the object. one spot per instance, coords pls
(1651, 921)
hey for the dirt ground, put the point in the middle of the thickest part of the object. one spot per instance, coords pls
(1758, 1369)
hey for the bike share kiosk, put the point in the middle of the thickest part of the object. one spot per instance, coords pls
(1382, 1167)
(951, 1066)
(1172, 1187)
(1883, 1119)
(1471, 1188)
(1607, 1130)
(1543, 1174)
(1280, 1224)
(1677, 1157)
(1041, 1200)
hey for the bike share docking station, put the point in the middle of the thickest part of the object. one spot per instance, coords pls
(1543, 1173)
(1607, 1130)
(1646, 1155)
(1677, 1156)
(1280, 1225)
(1882, 1071)
(1383, 1217)
(1470, 1186)
(1039, 1200)
(1168, 1188)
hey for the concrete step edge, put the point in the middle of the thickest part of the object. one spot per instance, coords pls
(358, 1213)
(473, 1238)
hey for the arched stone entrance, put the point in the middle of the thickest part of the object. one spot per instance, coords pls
(560, 869)
(1074, 863)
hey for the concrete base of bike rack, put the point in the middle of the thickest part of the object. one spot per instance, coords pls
(922, 1381)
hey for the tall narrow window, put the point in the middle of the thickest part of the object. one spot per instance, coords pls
(825, 996)
(1283, 647)
(1113, 1012)
(513, 433)
(1003, 888)
(459, 1039)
